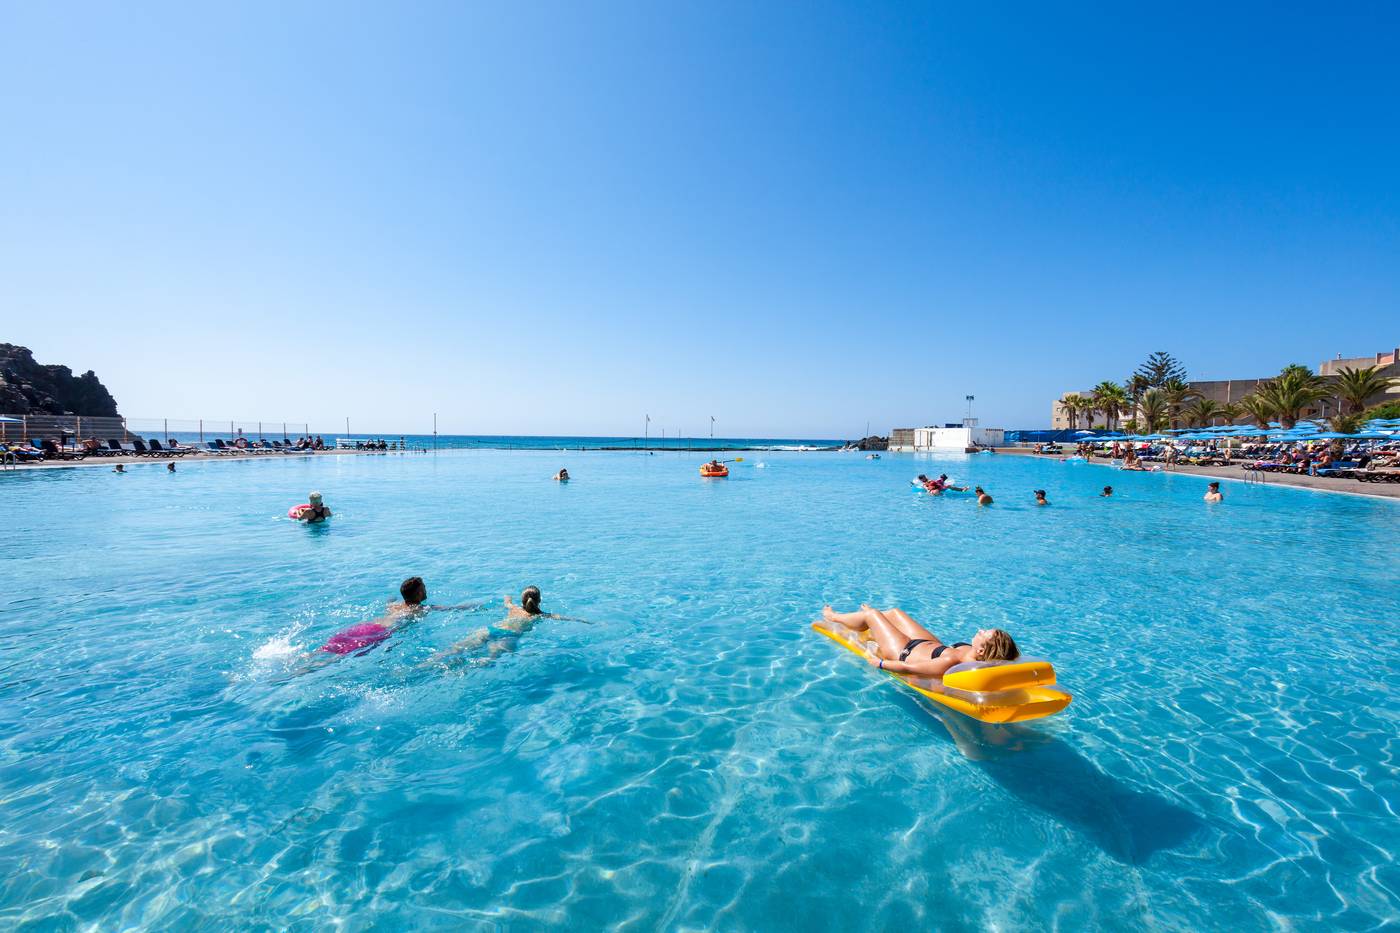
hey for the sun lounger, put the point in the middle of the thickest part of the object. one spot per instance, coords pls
(53, 452)
(163, 451)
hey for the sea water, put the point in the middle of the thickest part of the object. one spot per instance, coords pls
(684, 752)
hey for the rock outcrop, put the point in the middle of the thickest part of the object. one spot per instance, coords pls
(30, 388)
(873, 442)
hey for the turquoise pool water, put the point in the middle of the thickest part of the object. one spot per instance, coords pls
(693, 756)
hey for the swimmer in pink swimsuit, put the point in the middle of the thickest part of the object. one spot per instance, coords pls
(363, 636)
(356, 637)
(368, 634)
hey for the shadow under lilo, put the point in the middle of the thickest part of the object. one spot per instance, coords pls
(1047, 773)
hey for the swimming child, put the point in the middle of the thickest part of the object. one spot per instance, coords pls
(365, 635)
(504, 635)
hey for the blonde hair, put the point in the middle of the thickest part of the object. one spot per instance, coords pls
(999, 646)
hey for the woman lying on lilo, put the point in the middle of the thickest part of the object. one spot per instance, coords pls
(906, 647)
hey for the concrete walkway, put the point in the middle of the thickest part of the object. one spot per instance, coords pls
(196, 457)
(1352, 487)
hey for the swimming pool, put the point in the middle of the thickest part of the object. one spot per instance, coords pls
(692, 756)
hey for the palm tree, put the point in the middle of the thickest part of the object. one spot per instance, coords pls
(1344, 423)
(1260, 409)
(1088, 407)
(1135, 385)
(1153, 410)
(1202, 412)
(1355, 386)
(1177, 394)
(1070, 406)
(1231, 412)
(1291, 392)
(1110, 399)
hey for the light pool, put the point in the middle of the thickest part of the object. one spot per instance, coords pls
(696, 757)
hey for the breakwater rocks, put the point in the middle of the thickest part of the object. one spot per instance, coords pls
(30, 388)
(873, 442)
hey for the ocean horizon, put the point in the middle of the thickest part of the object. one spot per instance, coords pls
(544, 441)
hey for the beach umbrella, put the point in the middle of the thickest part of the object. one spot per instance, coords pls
(1368, 436)
(1083, 432)
(1154, 437)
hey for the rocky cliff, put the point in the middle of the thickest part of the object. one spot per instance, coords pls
(30, 388)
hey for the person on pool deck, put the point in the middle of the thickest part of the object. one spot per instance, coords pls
(314, 511)
(906, 647)
(1213, 493)
(1040, 497)
(505, 634)
(562, 476)
(982, 497)
(1107, 491)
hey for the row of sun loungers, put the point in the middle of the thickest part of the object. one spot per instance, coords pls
(137, 447)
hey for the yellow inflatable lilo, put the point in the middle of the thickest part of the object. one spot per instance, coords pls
(996, 691)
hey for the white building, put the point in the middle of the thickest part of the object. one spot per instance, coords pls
(946, 438)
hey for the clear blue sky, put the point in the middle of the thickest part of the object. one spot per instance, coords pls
(554, 218)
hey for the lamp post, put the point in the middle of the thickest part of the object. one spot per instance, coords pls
(712, 428)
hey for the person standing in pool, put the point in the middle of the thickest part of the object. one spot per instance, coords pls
(982, 497)
(314, 511)
(903, 646)
(562, 476)
(1213, 493)
(504, 635)
(1040, 497)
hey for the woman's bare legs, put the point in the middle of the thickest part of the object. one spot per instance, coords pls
(887, 635)
(906, 624)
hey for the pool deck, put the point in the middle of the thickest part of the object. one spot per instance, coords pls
(195, 457)
(1352, 487)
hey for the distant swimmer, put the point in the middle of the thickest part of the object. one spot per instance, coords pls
(1107, 491)
(982, 497)
(1040, 497)
(170, 468)
(562, 476)
(1213, 493)
(903, 646)
(313, 511)
(118, 469)
(503, 636)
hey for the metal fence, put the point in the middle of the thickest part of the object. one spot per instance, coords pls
(62, 428)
